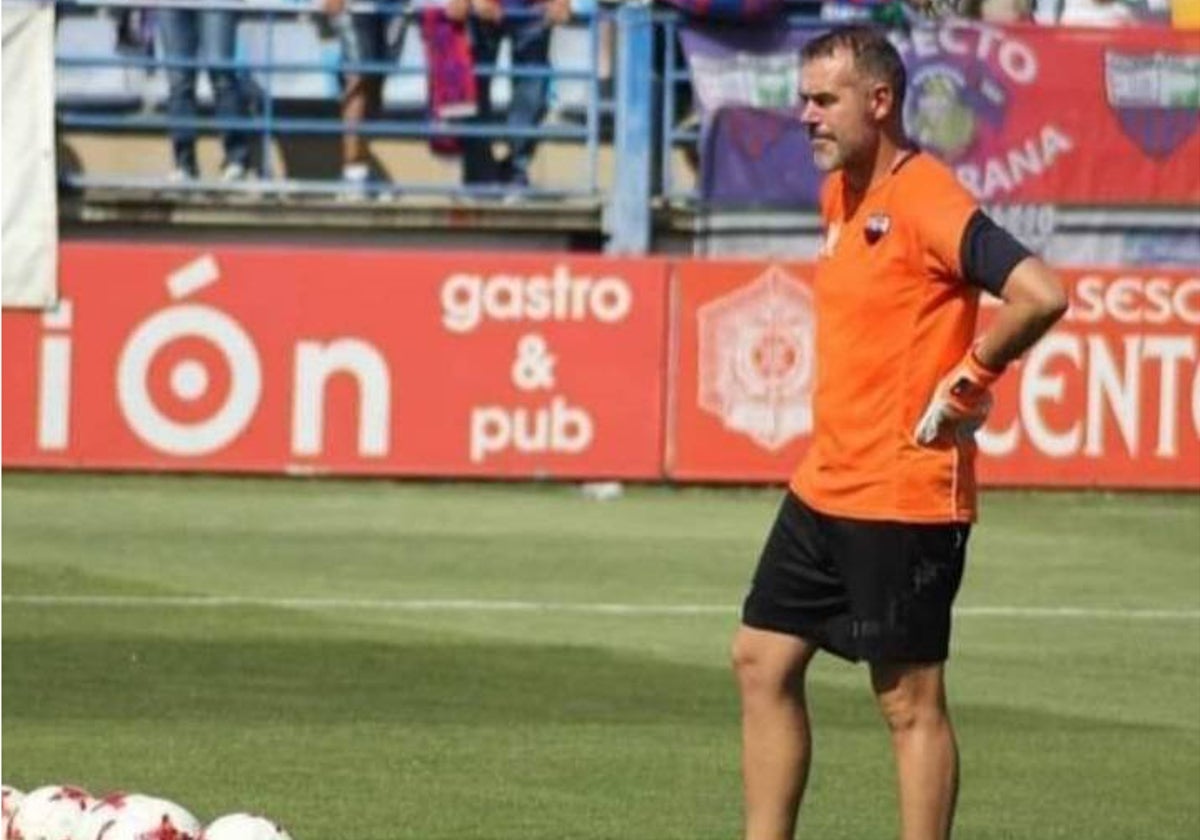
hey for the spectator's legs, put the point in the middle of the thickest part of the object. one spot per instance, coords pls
(360, 101)
(218, 42)
(479, 163)
(530, 49)
(363, 43)
(180, 38)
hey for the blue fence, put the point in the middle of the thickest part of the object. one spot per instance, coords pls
(106, 87)
(634, 100)
(277, 48)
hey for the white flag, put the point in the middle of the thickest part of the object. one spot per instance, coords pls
(29, 258)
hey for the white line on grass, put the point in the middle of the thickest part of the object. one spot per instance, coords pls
(474, 605)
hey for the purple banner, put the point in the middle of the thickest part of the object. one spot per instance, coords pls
(753, 148)
(757, 157)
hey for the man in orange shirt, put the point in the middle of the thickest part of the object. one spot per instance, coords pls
(866, 554)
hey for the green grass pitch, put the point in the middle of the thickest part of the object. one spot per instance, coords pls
(477, 703)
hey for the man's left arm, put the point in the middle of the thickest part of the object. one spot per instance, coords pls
(1033, 300)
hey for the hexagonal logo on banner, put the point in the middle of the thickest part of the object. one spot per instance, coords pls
(756, 364)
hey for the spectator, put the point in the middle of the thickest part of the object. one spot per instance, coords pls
(207, 37)
(135, 31)
(365, 39)
(490, 22)
(449, 70)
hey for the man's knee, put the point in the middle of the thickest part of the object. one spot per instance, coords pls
(355, 85)
(745, 657)
(766, 662)
(910, 696)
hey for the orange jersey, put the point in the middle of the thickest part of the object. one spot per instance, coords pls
(894, 316)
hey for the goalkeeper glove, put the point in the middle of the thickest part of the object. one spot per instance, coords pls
(961, 401)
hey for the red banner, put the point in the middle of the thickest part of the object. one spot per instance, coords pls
(256, 359)
(357, 362)
(1025, 114)
(1111, 397)
(1057, 114)
(742, 381)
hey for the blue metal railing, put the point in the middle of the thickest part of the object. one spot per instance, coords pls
(647, 131)
(675, 74)
(629, 218)
(269, 125)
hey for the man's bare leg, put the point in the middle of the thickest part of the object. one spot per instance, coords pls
(912, 699)
(360, 101)
(776, 739)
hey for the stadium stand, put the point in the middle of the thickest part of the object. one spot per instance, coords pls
(572, 49)
(283, 41)
(113, 127)
(109, 86)
(407, 92)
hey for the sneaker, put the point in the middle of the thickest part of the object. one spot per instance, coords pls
(181, 175)
(517, 188)
(513, 196)
(356, 178)
(232, 173)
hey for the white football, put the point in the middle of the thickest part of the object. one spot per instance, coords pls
(243, 827)
(10, 798)
(49, 813)
(104, 813)
(151, 818)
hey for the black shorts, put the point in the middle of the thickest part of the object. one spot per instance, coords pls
(879, 591)
(365, 40)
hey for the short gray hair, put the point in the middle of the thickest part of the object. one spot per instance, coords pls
(873, 54)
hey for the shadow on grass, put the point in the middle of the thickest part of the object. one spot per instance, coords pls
(322, 681)
(483, 717)
(325, 681)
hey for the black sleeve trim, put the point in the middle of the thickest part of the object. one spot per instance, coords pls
(988, 253)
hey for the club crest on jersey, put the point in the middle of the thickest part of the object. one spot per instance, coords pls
(877, 225)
